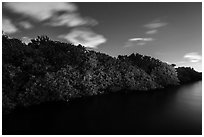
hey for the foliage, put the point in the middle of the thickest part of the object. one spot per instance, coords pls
(162, 73)
(187, 74)
(46, 70)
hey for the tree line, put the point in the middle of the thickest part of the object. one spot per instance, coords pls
(45, 70)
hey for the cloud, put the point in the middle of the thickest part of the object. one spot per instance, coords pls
(193, 57)
(152, 31)
(84, 37)
(26, 40)
(155, 24)
(54, 13)
(25, 24)
(40, 10)
(8, 27)
(71, 20)
(141, 39)
(137, 41)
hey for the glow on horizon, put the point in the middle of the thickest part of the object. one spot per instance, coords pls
(196, 66)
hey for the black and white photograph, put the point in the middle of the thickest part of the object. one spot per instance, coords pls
(101, 68)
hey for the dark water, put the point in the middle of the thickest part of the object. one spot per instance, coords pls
(172, 111)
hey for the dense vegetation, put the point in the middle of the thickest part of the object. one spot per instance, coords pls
(46, 70)
(187, 75)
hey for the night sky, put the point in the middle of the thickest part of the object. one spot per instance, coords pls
(171, 32)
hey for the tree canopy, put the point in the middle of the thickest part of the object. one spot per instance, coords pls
(45, 70)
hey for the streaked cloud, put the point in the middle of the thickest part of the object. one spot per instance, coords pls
(141, 39)
(8, 27)
(193, 57)
(53, 13)
(71, 20)
(25, 24)
(155, 24)
(152, 31)
(84, 37)
(58, 14)
(40, 10)
(138, 41)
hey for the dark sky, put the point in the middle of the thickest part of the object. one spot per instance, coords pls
(171, 32)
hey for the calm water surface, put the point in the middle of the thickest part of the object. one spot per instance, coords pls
(172, 111)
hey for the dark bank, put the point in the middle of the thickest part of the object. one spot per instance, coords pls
(174, 111)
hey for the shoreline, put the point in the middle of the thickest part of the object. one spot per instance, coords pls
(109, 92)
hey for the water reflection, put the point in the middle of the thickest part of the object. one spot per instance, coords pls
(173, 111)
(191, 96)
